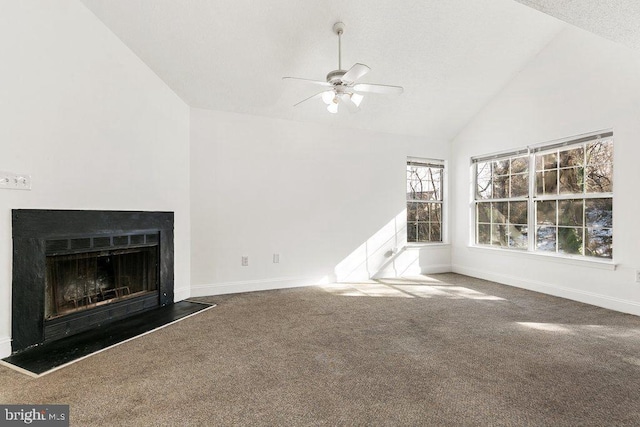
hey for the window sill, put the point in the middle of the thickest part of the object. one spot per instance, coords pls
(427, 245)
(592, 263)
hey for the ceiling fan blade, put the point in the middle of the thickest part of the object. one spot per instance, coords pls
(368, 87)
(316, 82)
(346, 100)
(317, 95)
(355, 72)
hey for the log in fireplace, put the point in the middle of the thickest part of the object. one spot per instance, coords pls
(78, 270)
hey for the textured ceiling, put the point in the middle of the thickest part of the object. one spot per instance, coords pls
(617, 20)
(451, 56)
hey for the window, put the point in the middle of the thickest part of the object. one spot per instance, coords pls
(424, 200)
(502, 188)
(574, 199)
(570, 211)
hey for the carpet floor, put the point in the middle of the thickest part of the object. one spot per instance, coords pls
(432, 350)
(44, 358)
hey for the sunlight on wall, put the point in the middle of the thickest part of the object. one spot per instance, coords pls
(384, 250)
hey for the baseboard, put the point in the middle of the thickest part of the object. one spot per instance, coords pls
(5, 347)
(435, 269)
(252, 285)
(591, 298)
(181, 294)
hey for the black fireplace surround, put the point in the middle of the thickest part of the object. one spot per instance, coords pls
(105, 243)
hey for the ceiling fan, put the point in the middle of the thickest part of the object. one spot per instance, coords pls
(340, 85)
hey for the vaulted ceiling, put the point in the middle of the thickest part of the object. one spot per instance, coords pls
(450, 56)
(616, 20)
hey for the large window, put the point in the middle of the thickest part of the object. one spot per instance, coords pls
(424, 200)
(553, 198)
(574, 198)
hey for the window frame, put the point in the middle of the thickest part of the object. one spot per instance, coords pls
(533, 199)
(428, 163)
(509, 157)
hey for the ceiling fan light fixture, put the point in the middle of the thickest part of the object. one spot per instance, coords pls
(333, 107)
(328, 96)
(356, 98)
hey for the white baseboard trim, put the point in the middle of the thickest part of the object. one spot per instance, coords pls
(435, 269)
(252, 285)
(181, 294)
(591, 298)
(5, 347)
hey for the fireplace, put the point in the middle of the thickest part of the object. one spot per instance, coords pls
(87, 280)
(78, 270)
(79, 282)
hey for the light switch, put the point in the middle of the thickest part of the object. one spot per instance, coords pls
(15, 181)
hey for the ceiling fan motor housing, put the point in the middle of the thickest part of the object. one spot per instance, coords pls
(335, 77)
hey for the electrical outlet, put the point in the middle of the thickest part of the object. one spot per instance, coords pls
(245, 261)
(638, 276)
(276, 258)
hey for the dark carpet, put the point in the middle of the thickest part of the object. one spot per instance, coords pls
(437, 350)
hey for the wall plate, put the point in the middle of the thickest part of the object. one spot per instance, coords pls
(15, 181)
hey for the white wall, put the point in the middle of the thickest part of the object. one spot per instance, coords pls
(329, 201)
(94, 126)
(579, 83)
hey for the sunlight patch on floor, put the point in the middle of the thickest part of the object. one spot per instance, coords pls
(365, 289)
(463, 292)
(597, 331)
(547, 327)
(632, 360)
(384, 288)
(342, 289)
(604, 331)
(419, 280)
(423, 291)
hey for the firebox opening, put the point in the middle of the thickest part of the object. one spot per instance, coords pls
(78, 282)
